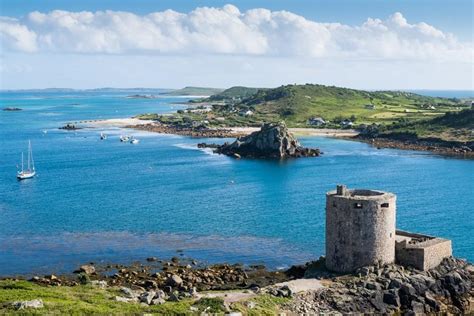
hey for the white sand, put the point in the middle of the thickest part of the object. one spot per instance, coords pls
(121, 122)
(306, 131)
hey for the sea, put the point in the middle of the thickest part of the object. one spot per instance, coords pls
(105, 201)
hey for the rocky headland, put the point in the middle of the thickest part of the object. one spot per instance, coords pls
(273, 140)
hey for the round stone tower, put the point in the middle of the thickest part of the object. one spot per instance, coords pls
(360, 228)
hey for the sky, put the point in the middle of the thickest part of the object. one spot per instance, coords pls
(363, 44)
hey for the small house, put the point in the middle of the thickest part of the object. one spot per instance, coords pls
(347, 123)
(370, 106)
(316, 121)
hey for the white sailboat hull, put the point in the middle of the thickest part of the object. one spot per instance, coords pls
(25, 175)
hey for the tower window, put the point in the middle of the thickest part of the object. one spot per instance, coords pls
(357, 205)
(384, 205)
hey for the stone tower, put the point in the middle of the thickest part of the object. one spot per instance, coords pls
(360, 228)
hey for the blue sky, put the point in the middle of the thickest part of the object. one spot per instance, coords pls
(368, 44)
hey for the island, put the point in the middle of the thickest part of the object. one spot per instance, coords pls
(395, 119)
(141, 96)
(12, 109)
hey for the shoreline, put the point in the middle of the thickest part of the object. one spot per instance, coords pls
(182, 286)
(420, 145)
(235, 132)
(224, 132)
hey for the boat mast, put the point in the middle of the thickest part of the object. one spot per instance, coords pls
(29, 153)
(21, 161)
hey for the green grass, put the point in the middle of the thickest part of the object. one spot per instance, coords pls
(264, 305)
(395, 111)
(88, 300)
(297, 103)
(79, 300)
(453, 127)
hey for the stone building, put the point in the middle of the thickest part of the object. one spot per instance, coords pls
(361, 231)
(360, 228)
(422, 252)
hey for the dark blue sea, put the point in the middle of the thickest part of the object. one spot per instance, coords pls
(107, 201)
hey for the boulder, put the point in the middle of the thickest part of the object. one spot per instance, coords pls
(37, 303)
(129, 293)
(100, 284)
(147, 297)
(390, 297)
(174, 280)
(87, 269)
(271, 141)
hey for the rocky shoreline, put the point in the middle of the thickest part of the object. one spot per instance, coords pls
(379, 289)
(187, 131)
(438, 147)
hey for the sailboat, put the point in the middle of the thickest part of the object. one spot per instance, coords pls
(30, 171)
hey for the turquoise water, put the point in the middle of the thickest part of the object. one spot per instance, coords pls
(114, 202)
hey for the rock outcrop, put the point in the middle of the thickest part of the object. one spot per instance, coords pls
(70, 127)
(272, 141)
(392, 289)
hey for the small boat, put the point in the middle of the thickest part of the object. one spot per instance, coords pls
(103, 136)
(134, 141)
(124, 138)
(30, 171)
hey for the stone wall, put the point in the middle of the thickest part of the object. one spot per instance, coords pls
(421, 252)
(360, 228)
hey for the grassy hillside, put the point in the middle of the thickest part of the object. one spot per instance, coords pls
(451, 127)
(235, 93)
(297, 103)
(194, 91)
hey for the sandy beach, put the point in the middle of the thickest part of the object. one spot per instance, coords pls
(119, 122)
(127, 122)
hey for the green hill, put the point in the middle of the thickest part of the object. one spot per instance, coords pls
(235, 94)
(297, 103)
(194, 91)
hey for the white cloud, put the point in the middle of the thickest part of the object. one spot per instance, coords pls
(16, 36)
(226, 30)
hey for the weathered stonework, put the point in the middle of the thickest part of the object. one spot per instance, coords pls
(360, 231)
(360, 228)
(421, 252)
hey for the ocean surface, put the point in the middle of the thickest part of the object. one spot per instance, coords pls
(107, 201)
(460, 94)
